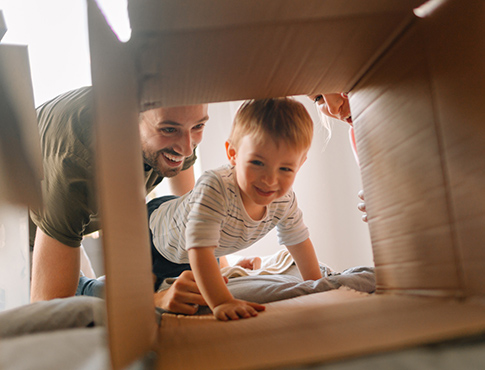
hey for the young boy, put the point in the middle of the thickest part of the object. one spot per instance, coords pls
(235, 205)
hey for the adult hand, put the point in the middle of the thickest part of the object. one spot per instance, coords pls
(182, 297)
(334, 105)
(236, 309)
(361, 206)
(250, 263)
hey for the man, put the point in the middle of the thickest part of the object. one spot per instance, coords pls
(168, 138)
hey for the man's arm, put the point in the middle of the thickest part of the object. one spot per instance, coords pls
(55, 269)
(182, 183)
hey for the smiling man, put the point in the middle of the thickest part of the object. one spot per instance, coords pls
(168, 136)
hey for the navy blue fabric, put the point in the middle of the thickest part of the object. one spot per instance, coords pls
(161, 267)
(90, 287)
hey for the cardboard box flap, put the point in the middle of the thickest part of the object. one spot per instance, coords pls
(334, 325)
(152, 16)
(421, 142)
(226, 50)
(20, 156)
(132, 324)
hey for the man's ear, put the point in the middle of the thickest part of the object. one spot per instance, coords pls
(231, 153)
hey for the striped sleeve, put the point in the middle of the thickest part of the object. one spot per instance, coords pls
(208, 210)
(291, 229)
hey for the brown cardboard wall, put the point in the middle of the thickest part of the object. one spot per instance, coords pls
(20, 156)
(421, 141)
(457, 66)
(212, 51)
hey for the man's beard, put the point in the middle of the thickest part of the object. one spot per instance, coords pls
(152, 159)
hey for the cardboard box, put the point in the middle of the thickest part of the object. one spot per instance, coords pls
(417, 100)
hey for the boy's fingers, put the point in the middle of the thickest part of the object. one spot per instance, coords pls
(257, 306)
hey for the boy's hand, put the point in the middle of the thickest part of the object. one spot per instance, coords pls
(236, 309)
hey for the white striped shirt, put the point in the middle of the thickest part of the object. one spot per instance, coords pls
(213, 215)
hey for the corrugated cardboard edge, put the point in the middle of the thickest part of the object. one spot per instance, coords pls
(129, 296)
(344, 327)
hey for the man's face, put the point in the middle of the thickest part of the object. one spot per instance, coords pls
(169, 135)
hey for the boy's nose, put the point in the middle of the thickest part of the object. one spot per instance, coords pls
(269, 178)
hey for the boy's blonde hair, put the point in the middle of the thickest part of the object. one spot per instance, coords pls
(278, 118)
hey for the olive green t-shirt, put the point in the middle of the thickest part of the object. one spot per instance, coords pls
(66, 133)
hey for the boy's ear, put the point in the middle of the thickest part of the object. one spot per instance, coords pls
(303, 160)
(231, 153)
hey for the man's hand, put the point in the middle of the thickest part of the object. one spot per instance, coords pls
(250, 263)
(236, 309)
(182, 297)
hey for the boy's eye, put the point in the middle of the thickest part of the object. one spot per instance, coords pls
(257, 163)
(200, 126)
(286, 169)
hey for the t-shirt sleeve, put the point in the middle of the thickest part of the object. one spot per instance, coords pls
(69, 204)
(291, 229)
(67, 210)
(207, 211)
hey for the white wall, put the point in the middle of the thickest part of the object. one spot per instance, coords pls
(326, 186)
(14, 257)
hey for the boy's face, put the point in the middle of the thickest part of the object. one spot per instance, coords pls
(264, 171)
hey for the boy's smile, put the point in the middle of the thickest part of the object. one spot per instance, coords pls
(265, 171)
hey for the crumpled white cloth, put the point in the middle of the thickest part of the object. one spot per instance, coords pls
(274, 264)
